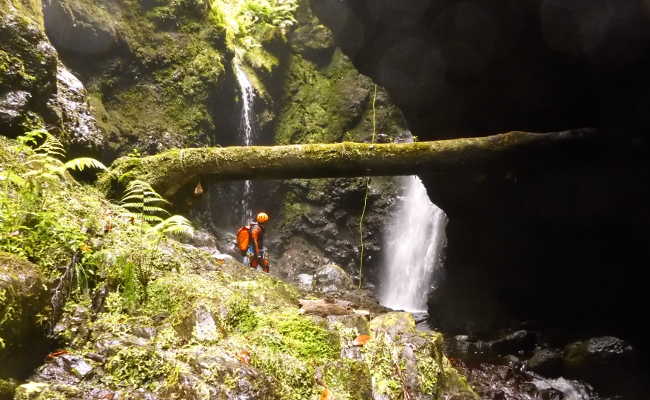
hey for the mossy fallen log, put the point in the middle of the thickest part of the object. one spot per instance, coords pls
(168, 171)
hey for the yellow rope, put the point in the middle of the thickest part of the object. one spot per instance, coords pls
(365, 197)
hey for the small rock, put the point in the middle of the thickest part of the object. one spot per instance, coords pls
(305, 281)
(77, 365)
(146, 332)
(205, 329)
(331, 278)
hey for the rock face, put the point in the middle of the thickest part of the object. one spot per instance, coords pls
(28, 67)
(75, 29)
(22, 297)
(37, 90)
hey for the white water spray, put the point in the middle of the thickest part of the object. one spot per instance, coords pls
(413, 244)
(247, 132)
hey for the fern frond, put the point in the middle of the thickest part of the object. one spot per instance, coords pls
(133, 196)
(82, 163)
(154, 210)
(137, 206)
(149, 200)
(31, 138)
(176, 225)
(151, 218)
(51, 147)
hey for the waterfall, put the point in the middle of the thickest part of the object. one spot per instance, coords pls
(413, 244)
(247, 133)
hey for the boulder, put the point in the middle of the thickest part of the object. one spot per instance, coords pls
(70, 105)
(392, 324)
(312, 39)
(331, 278)
(609, 363)
(547, 362)
(22, 297)
(74, 26)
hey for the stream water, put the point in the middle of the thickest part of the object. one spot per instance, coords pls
(413, 243)
(247, 134)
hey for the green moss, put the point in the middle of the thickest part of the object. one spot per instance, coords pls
(137, 367)
(294, 378)
(348, 379)
(45, 391)
(378, 353)
(292, 333)
(240, 316)
(7, 389)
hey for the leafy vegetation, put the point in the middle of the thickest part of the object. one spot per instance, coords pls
(33, 220)
(248, 24)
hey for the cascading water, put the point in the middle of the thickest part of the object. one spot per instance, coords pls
(413, 244)
(247, 132)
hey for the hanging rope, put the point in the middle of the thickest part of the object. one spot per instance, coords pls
(365, 197)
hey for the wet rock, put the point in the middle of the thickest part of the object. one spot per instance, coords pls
(331, 278)
(203, 239)
(607, 362)
(27, 64)
(66, 368)
(515, 342)
(71, 107)
(547, 362)
(74, 324)
(12, 105)
(77, 365)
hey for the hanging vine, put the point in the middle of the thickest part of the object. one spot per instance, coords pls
(365, 197)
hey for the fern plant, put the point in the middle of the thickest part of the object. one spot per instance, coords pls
(145, 209)
(46, 161)
(143, 202)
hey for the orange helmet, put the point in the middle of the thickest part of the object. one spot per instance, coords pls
(262, 217)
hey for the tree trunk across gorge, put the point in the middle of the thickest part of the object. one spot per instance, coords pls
(168, 171)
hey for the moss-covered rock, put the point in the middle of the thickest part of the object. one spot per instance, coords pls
(7, 389)
(22, 298)
(28, 64)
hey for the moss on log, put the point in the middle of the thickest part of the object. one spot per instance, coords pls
(169, 171)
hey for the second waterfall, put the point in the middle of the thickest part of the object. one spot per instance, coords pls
(413, 243)
(247, 134)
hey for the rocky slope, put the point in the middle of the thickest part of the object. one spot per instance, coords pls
(136, 314)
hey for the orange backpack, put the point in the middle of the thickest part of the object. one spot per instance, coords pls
(243, 238)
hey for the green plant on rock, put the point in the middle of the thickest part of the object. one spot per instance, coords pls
(247, 24)
(144, 207)
(45, 162)
(138, 367)
(34, 223)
